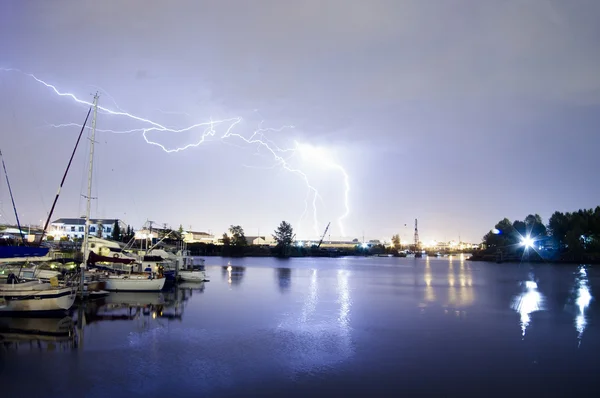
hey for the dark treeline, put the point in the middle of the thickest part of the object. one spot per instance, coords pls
(571, 236)
(235, 244)
(209, 249)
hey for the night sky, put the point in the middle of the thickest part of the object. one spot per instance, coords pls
(458, 113)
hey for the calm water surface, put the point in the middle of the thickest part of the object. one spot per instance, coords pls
(325, 327)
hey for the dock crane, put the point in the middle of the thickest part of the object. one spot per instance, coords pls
(324, 233)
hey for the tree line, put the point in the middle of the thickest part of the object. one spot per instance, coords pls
(569, 235)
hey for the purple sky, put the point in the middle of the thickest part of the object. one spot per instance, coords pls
(458, 113)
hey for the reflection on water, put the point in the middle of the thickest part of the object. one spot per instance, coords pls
(323, 339)
(284, 278)
(233, 274)
(41, 334)
(456, 287)
(583, 296)
(528, 301)
(429, 292)
(345, 302)
(348, 325)
(310, 300)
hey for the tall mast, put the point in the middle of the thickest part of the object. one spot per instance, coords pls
(12, 199)
(89, 193)
(416, 236)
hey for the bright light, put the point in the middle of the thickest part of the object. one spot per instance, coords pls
(364, 245)
(527, 242)
(300, 244)
(495, 231)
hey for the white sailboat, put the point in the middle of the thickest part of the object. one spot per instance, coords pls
(34, 297)
(19, 297)
(141, 282)
(134, 282)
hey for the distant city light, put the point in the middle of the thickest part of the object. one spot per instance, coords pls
(527, 242)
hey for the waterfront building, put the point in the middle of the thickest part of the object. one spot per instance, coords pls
(73, 228)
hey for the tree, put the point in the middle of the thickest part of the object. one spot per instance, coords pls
(396, 241)
(535, 226)
(226, 240)
(116, 232)
(504, 234)
(129, 234)
(180, 230)
(283, 236)
(237, 236)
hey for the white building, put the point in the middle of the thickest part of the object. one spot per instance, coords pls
(261, 240)
(73, 228)
(199, 237)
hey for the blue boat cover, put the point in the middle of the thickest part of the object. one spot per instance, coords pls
(22, 251)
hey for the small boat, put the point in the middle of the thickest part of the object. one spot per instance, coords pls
(192, 272)
(33, 297)
(30, 272)
(134, 283)
(193, 275)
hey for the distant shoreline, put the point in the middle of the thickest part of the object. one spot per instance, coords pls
(491, 258)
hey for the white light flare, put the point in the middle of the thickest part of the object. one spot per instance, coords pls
(527, 241)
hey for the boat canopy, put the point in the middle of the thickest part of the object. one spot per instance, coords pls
(94, 258)
(22, 251)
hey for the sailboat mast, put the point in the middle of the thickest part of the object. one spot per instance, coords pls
(12, 199)
(85, 246)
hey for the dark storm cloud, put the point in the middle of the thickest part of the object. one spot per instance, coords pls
(466, 88)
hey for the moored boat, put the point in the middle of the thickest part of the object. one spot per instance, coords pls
(134, 282)
(34, 297)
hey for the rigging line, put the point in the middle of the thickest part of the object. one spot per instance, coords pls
(12, 198)
(65, 175)
(84, 169)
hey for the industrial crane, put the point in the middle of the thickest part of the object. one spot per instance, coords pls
(324, 233)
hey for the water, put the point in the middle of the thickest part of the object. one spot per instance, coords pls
(326, 327)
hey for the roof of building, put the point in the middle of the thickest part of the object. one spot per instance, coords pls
(81, 221)
(198, 233)
(255, 237)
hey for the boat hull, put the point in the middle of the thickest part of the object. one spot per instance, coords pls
(192, 276)
(13, 301)
(134, 284)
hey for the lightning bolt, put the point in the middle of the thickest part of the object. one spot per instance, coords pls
(281, 156)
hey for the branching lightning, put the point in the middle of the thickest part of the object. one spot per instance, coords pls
(209, 129)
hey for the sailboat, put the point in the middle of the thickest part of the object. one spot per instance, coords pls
(146, 282)
(18, 296)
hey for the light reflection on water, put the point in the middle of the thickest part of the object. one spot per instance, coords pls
(530, 300)
(582, 300)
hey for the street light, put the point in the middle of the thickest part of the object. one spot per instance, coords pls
(527, 242)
